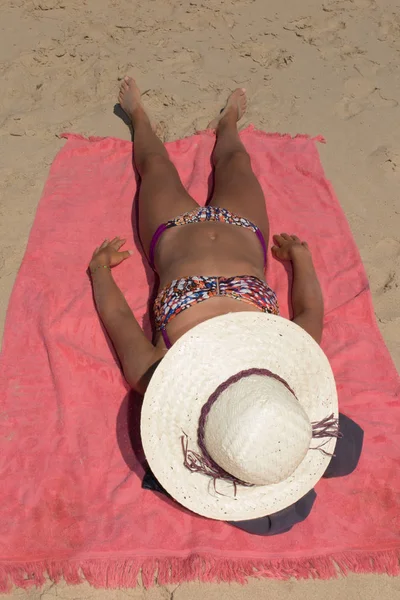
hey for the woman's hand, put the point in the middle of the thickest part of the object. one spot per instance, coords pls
(286, 246)
(108, 254)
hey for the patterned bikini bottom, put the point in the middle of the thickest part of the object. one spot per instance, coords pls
(180, 294)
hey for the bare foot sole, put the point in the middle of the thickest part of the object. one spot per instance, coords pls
(236, 104)
(129, 96)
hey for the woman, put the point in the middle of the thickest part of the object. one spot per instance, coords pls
(210, 262)
(205, 248)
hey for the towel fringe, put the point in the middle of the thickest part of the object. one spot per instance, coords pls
(124, 573)
(207, 132)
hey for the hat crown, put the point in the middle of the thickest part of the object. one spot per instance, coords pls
(257, 431)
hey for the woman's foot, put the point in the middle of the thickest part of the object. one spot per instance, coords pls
(235, 108)
(129, 98)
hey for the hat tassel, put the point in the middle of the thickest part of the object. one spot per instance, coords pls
(199, 463)
(327, 428)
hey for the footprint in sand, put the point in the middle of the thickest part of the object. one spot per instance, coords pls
(264, 54)
(386, 159)
(347, 5)
(48, 4)
(389, 30)
(383, 267)
(361, 94)
(323, 33)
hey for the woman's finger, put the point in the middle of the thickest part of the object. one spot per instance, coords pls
(295, 238)
(274, 249)
(114, 240)
(305, 245)
(278, 239)
(285, 236)
(126, 254)
(117, 245)
(104, 244)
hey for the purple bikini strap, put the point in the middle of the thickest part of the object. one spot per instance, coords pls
(263, 244)
(159, 231)
(166, 339)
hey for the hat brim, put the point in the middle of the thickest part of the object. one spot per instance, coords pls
(193, 368)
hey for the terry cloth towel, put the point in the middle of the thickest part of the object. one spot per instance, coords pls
(71, 502)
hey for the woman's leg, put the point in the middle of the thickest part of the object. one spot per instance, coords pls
(162, 195)
(236, 187)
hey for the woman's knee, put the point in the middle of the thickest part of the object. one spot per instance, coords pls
(155, 163)
(234, 159)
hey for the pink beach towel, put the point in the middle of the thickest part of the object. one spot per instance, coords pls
(71, 499)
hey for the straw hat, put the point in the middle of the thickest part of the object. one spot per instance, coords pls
(240, 418)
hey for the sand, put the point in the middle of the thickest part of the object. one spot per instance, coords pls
(309, 67)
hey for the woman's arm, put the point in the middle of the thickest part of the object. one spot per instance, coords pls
(135, 352)
(307, 300)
